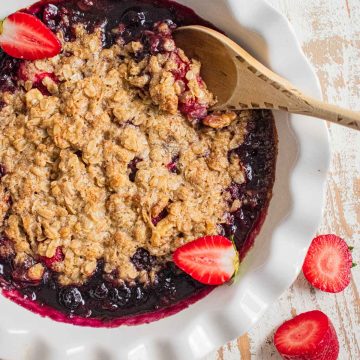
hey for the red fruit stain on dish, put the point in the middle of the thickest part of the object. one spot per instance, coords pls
(211, 260)
(23, 36)
(308, 336)
(58, 257)
(328, 263)
(138, 319)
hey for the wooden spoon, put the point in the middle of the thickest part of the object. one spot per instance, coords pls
(241, 82)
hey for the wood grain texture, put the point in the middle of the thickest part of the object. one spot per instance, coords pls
(329, 31)
(239, 81)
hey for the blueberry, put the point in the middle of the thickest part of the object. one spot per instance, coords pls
(71, 297)
(121, 295)
(99, 292)
(143, 260)
(165, 283)
(8, 72)
(132, 17)
(51, 16)
(169, 286)
(235, 191)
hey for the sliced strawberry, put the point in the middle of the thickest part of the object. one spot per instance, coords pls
(24, 36)
(308, 336)
(49, 262)
(211, 260)
(328, 263)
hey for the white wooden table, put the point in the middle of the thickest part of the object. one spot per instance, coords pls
(329, 31)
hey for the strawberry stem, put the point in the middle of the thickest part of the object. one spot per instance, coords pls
(354, 265)
(235, 276)
(351, 248)
(1, 26)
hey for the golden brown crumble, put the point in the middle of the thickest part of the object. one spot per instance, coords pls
(67, 156)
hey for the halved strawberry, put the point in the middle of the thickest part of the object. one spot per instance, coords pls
(308, 336)
(328, 263)
(211, 260)
(24, 36)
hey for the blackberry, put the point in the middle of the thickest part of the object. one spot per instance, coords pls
(133, 17)
(120, 296)
(71, 297)
(165, 283)
(8, 72)
(143, 260)
(51, 16)
(100, 292)
(139, 294)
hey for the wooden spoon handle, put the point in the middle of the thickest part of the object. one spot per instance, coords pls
(331, 113)
(258, 82)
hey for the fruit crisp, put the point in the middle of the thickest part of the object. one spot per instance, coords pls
(110, 161)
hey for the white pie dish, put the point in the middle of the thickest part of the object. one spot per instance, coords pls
(269, 268)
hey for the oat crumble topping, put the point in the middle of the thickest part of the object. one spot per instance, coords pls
(101, 162)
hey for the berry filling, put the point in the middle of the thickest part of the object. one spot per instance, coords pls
(49, 262)
(162, 215)
(2, 171)
(8, 69)
(133, 168)
(193, 109)
(173, 166)
(38, 83)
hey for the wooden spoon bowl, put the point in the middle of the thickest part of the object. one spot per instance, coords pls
(240, 82)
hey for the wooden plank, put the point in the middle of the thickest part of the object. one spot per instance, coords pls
(329, 31)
